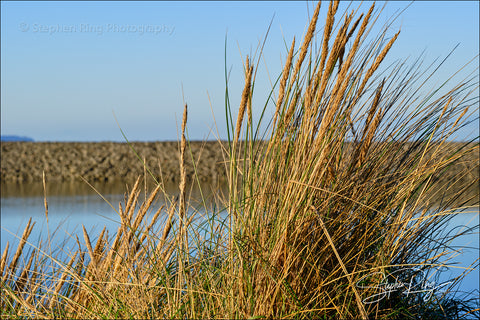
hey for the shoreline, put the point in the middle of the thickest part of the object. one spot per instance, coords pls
(115, 162)
(106, 161)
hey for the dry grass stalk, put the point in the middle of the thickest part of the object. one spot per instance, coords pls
(338, 50)
(129, 214)
(115, 247)
(352, 30)
(326, 36)
(373, 109)
(23, 240)
(369, 129)
(120, 257)
(378, 61)
(291, 108)
(342, 82)
(89, 247)
(24, 304)
(183, 174)
(3, 262)
(182, 235)
(61, 282)
(368, 139)
(168, 226)
(244, 100)
(93, 267)
(306, 43)
(45, 195)
(283, 81)
(351, 54)
(99, 246)
(460, 117)
(145, 177)
(145, 206)
(132, 198)
(22, 279)
(152, 222)
(33, 282)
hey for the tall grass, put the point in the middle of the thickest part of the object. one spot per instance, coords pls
(334, 194)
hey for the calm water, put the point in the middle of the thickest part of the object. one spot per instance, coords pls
(71, 205)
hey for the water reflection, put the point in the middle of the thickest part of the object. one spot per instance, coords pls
(71, 205)
(79, 188)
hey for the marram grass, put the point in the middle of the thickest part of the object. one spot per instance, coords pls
(334, 195)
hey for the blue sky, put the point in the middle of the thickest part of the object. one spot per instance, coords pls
(65, 66)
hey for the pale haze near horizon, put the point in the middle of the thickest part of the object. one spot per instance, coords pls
(66, 67)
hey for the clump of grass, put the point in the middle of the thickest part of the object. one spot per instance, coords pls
(335, 193)
(339, 188)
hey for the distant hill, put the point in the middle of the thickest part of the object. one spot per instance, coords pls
(15, 138)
